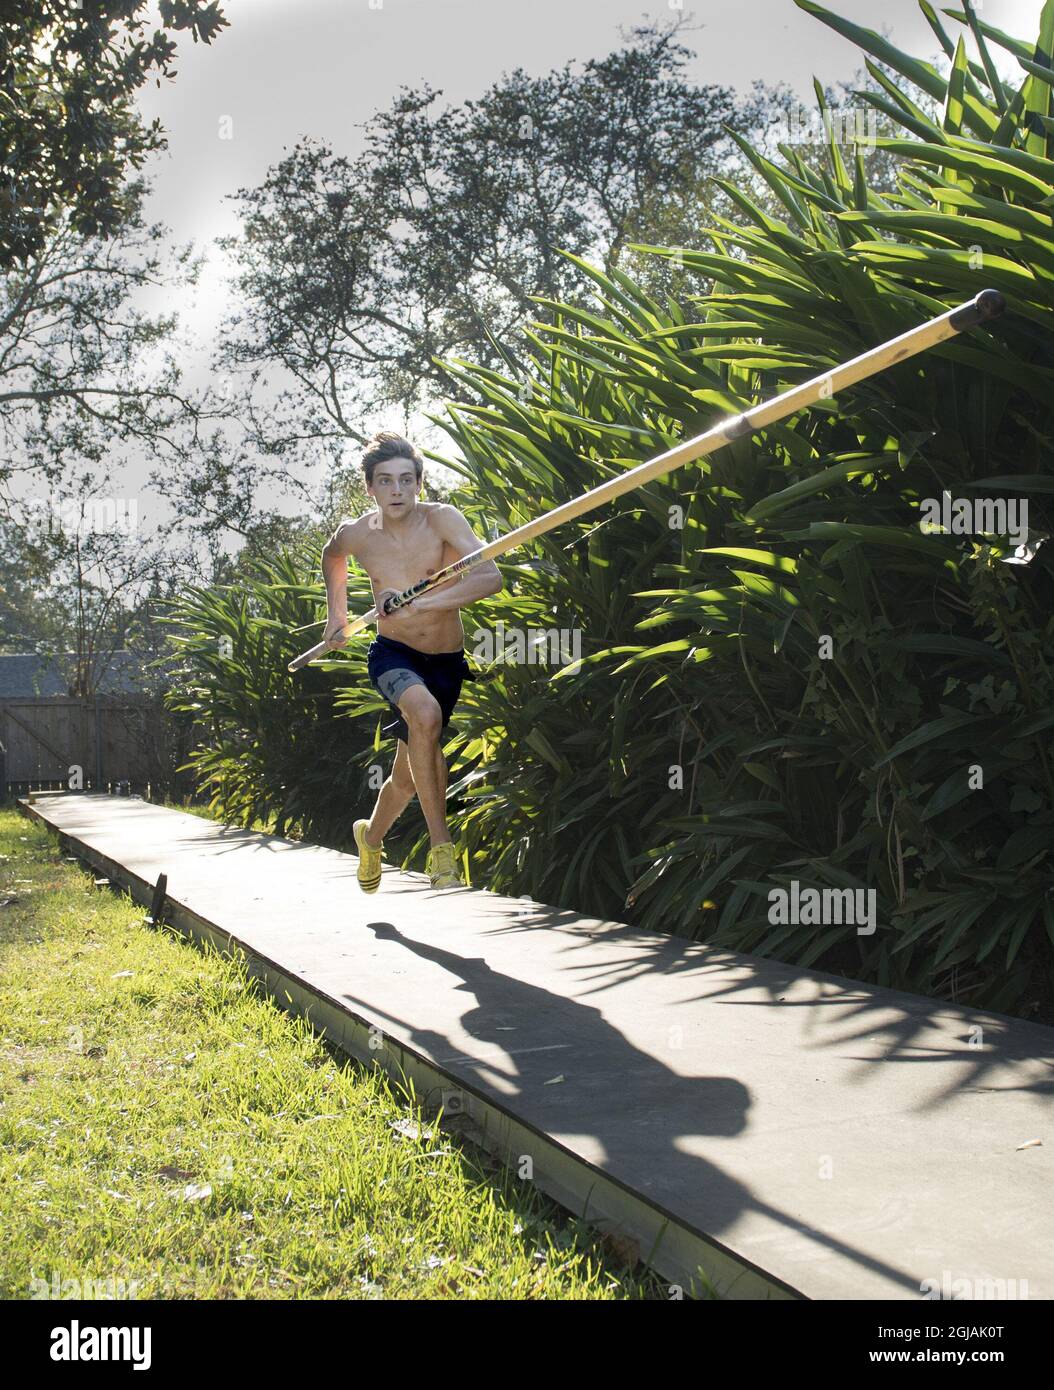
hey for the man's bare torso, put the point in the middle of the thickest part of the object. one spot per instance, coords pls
(396, 556)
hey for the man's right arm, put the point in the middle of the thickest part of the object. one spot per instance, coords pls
(335, 573)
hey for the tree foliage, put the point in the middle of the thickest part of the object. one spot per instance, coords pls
(357, 275)
(70, 135)
(84, 368)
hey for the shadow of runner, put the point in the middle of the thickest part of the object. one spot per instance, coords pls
(637, 1110)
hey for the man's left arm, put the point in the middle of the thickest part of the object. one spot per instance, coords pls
(478, 582)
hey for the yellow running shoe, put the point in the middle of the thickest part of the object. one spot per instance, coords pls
(441, 866)
(369, 873)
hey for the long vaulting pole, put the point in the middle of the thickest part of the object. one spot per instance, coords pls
(988, 304)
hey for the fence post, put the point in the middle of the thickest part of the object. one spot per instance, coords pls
(98, 747)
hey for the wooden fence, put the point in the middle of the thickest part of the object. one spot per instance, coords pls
(53, 741)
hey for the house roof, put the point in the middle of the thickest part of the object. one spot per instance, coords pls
(25, 674)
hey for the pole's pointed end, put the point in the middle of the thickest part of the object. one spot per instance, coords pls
(990, 304)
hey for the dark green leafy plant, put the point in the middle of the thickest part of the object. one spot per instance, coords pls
(272, 747)
(783, 677)
(858, 769)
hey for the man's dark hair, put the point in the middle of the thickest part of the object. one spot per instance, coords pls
(385, 445)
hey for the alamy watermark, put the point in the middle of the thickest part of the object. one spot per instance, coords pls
(982, 516)
(58, 1287)
(823, 907)
(950, 1286)
(532, 646)
(844, 125)
(78, 1342)
(72, 517)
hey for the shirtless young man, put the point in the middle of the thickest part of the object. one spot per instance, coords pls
(417, 661)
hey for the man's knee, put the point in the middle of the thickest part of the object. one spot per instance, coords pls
(423, 716)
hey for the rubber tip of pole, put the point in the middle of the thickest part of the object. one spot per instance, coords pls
(990, 304)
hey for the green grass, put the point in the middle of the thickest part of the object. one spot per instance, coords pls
(163, 1122)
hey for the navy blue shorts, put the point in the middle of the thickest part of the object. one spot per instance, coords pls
(393, 667)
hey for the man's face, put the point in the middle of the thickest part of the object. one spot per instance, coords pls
(395, 487)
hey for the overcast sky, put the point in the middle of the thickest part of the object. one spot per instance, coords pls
(291, 68)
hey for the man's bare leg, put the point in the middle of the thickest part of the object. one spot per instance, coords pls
(424, 720)
(441, 774)
(392, 799)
